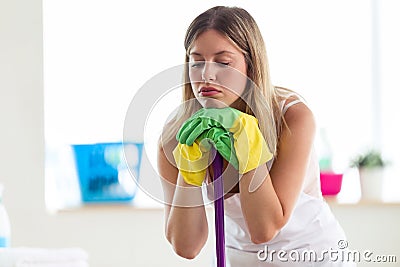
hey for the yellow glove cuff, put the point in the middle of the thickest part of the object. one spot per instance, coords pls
(192, 162)
(251, 148)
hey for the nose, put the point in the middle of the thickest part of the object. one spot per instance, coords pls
(209, 72)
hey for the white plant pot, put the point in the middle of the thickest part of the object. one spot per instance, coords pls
(371, 182)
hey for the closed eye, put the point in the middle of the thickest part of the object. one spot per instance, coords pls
(197, 64)
(224, 63)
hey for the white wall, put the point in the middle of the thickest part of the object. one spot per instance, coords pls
(118, 236)
(21, 103)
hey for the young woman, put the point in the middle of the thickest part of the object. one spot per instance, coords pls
(275, 205)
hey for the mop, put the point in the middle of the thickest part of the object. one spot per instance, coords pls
(219, 209)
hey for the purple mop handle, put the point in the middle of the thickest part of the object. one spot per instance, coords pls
(219, 209)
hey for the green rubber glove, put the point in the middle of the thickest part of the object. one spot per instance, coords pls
(205, 119)
(249, 145)
(222, 140)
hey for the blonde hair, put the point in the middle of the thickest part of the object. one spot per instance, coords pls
(262, 99)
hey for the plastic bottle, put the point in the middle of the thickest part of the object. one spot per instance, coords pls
(5, 229)
(325, 153)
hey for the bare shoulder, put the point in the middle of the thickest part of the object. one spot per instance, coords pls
(300, 117)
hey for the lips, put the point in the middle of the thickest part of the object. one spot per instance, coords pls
(208, 91)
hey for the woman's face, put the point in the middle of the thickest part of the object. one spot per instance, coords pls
(217, 70)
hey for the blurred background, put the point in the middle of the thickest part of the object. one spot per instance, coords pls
(68, 73)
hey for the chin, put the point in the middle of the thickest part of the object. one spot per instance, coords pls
(208, 102)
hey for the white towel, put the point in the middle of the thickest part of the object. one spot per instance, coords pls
(41, 257)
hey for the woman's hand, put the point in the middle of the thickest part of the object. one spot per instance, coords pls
(192, 162)
(225, 126)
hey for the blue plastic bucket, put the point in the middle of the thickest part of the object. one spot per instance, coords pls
(103, 173)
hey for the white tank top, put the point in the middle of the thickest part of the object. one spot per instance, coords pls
(311, 227)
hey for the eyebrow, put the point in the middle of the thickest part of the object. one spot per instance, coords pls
(216, 54)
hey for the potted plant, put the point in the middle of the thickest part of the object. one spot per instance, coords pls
(370, 167)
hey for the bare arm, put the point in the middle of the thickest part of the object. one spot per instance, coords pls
(186, 225)
(268, 208)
